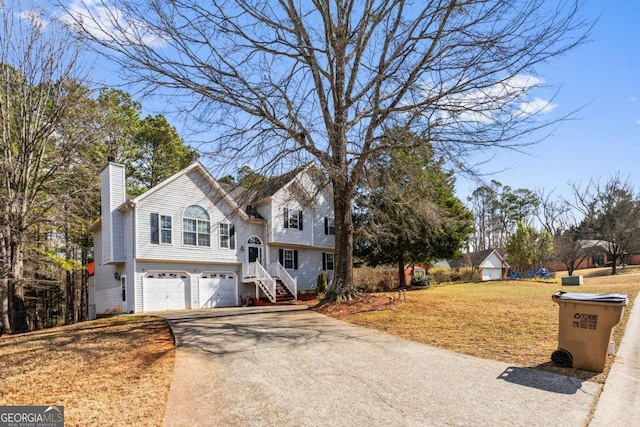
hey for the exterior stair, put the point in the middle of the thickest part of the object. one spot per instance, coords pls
(283, 294)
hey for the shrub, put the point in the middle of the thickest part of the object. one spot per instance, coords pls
(370, 279)
(322, 285)
(421, 280)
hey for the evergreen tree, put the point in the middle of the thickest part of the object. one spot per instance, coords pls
(406, 210)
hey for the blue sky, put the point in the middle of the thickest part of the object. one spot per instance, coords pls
(599, 78)
(603, 77)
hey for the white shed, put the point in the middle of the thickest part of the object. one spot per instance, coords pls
(493, 267)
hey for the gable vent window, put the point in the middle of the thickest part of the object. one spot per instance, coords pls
(196, 229)
(227, 236)
(160, 228)
(293, 219)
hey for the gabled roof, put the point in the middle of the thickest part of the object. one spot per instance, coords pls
(274, 185)
(485, 260)
(253, 196)
(236, 195)
(196, 167)
(472, 259)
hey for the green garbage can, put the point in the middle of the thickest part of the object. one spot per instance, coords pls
(586, 322)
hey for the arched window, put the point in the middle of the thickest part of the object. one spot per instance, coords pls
(196, 230)
(253, 240)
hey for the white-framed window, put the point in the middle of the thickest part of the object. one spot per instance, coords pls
(329, 226)
(161, 226)
(196, 228)
(227, 236)
(328, 261)
(293, 218)
(288, 259)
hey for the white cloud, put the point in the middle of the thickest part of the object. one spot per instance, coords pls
(486, 105)
(108, 23)
(638, 121)
(537, 106)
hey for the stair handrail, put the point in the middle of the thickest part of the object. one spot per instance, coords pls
(276, 269)
(268, 283)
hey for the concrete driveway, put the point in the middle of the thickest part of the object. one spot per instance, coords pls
(288, 366)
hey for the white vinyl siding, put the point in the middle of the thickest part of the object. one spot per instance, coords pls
(185, 191)
(106, 291)
(309, 266)
(113, 195)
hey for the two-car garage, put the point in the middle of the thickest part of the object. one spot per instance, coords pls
(169, 290)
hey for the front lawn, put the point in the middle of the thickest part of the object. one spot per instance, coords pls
(109, 372)
(510, 321)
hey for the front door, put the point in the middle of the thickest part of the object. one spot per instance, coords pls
(255, 254)
(254, 250)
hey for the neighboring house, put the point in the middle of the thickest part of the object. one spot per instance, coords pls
(598, 255)
(490, 264)
(190, 243)
(412, 270)
(493, 265)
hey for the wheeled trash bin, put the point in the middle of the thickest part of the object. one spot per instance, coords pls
(586, 322)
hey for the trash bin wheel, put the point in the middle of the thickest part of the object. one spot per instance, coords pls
(562, 358)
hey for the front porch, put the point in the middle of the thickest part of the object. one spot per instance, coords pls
(274, 282)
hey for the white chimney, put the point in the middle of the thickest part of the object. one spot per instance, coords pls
(112, 196)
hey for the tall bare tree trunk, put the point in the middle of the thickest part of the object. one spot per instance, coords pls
(342, 286)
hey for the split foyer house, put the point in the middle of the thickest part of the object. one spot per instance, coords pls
(190, 242)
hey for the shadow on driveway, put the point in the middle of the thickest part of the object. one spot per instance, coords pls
(300, 368)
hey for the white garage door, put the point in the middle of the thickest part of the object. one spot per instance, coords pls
(164, 291)
(491, 273)
(218, 290)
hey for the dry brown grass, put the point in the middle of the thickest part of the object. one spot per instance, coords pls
(511, 321)
(106, 372)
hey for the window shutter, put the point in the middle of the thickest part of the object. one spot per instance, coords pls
(324, 259)
(299, 220)
(326, 226)
(286, 218)
(281, 257)
(295, 260)
(155, 228)
(232, 236)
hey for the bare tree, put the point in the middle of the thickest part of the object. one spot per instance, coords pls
(559, 217)
(286, 82)
(38, 85)
(611, 214)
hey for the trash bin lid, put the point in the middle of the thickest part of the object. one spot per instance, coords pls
(603, 298)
